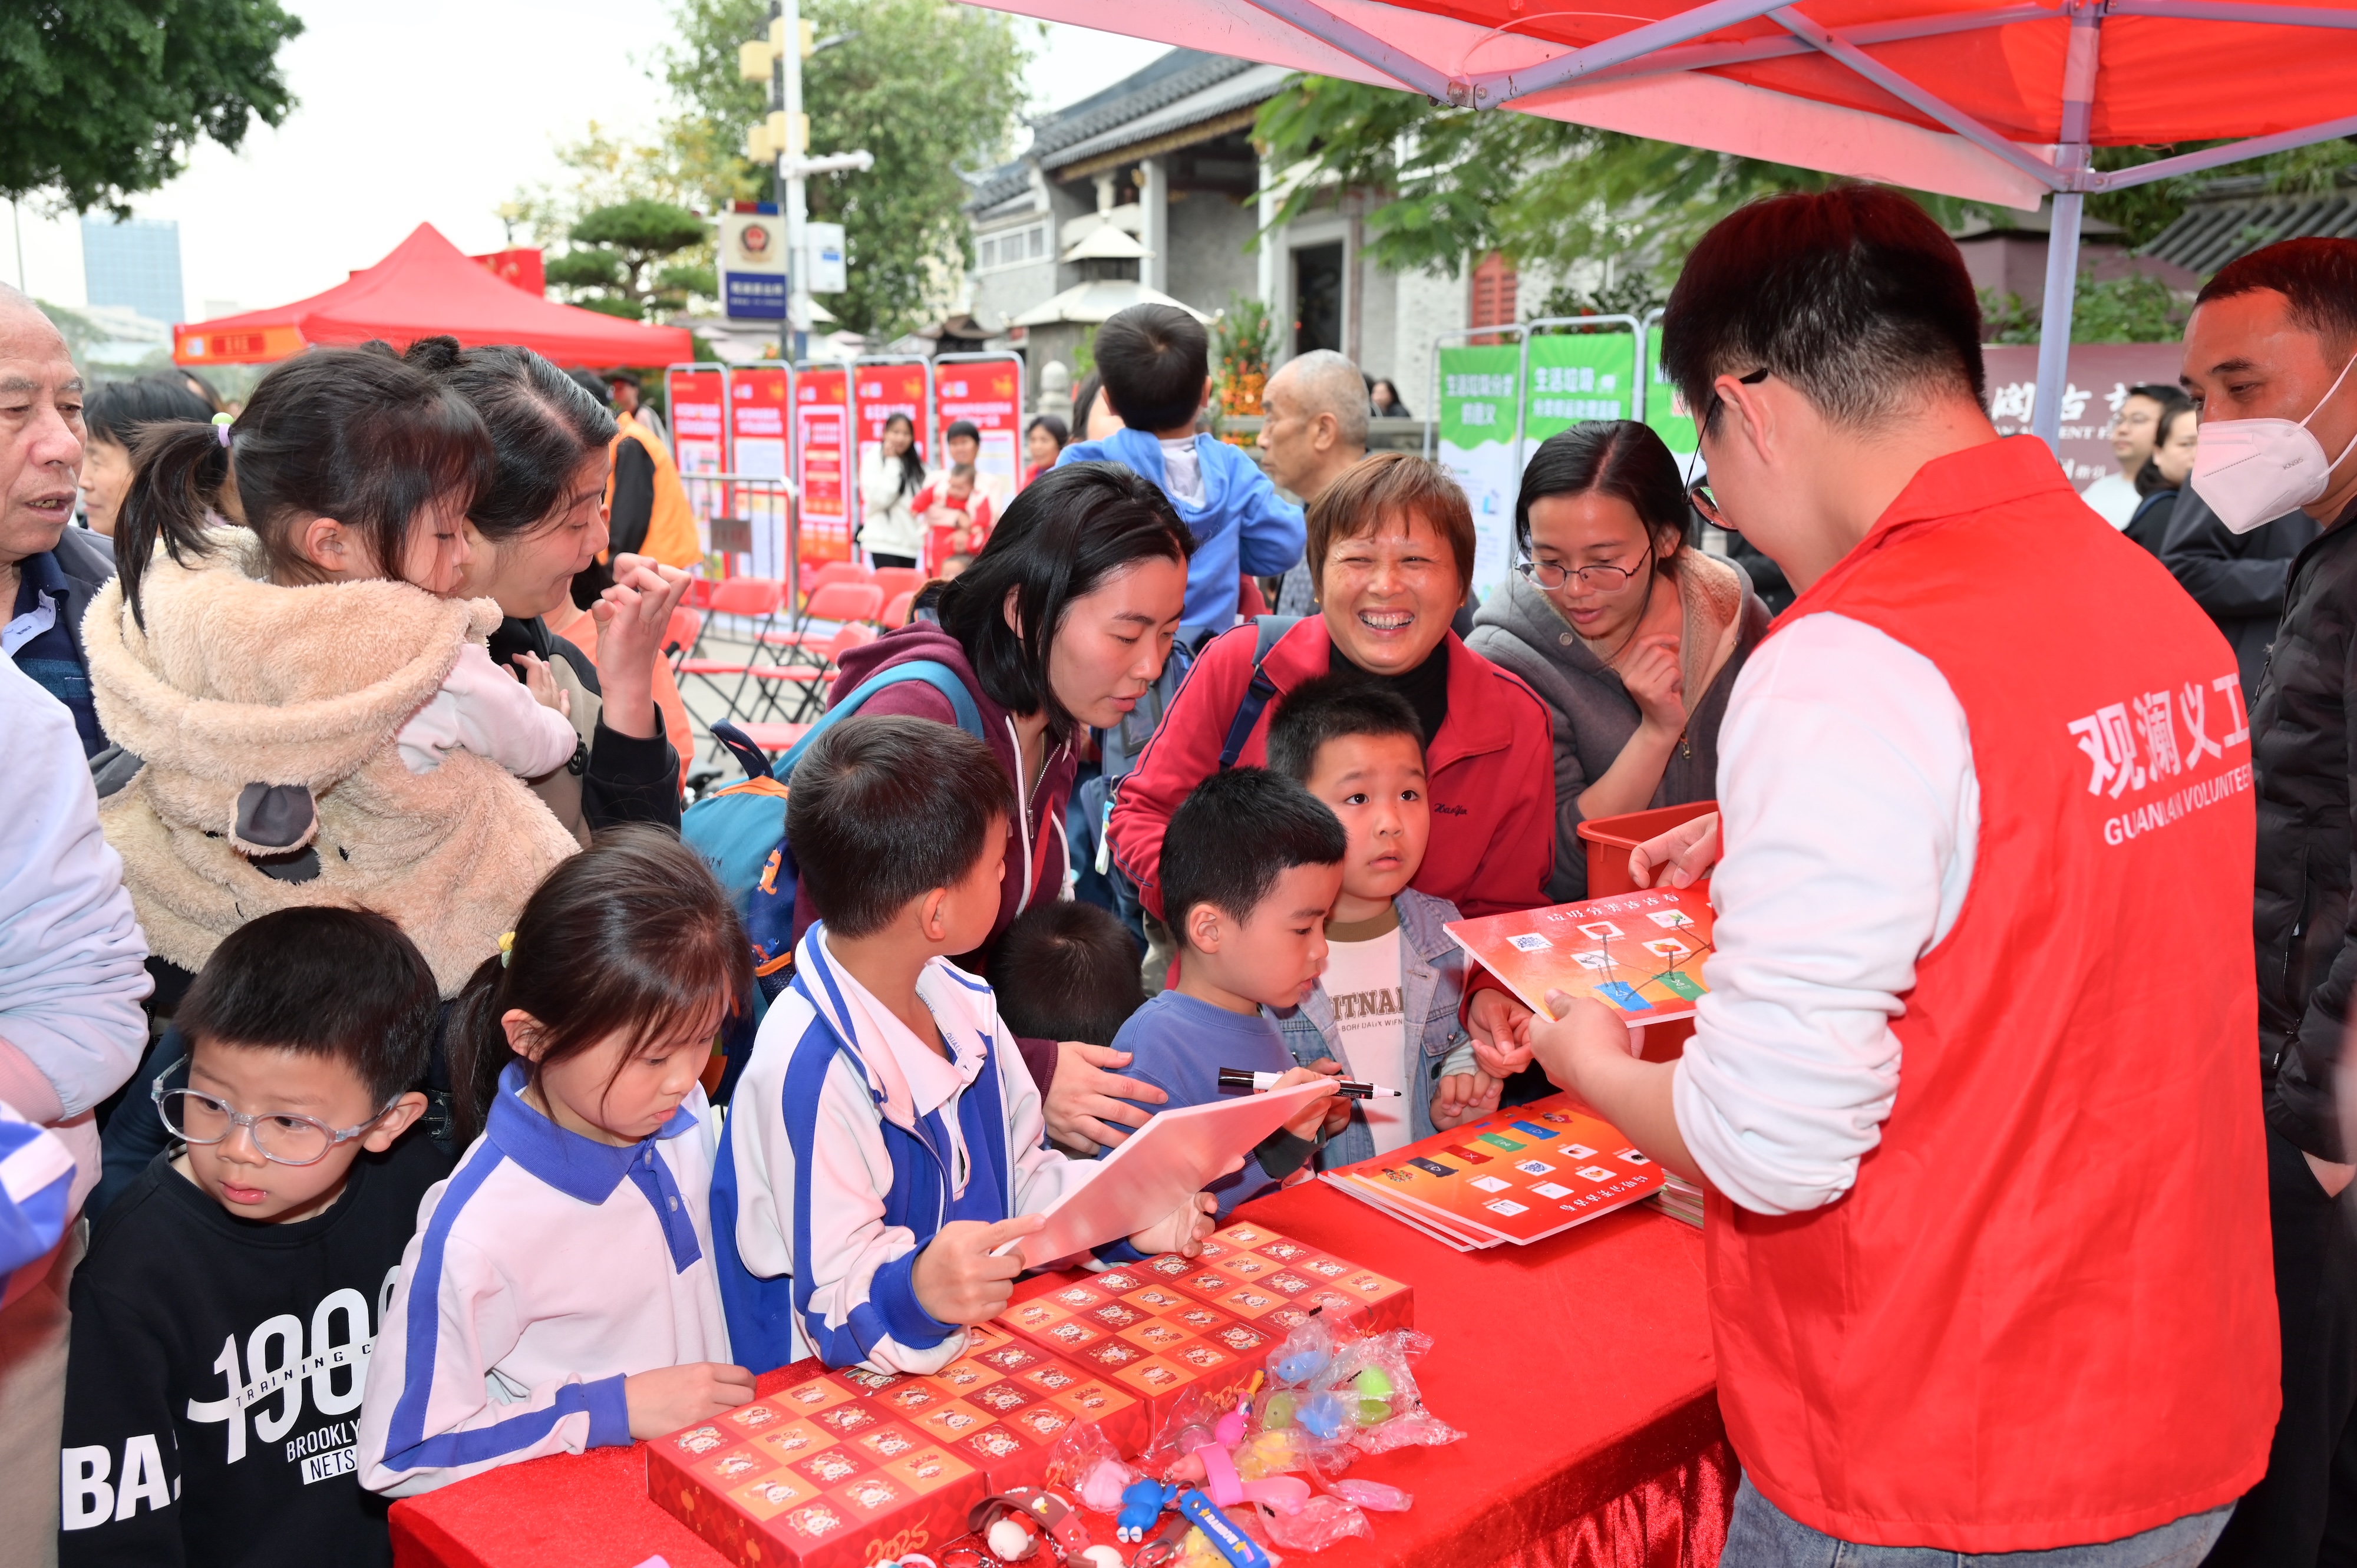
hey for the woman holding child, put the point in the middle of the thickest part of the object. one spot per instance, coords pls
(1630, 639)
(1064, 621)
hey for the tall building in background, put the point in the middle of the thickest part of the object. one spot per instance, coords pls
(134, 265)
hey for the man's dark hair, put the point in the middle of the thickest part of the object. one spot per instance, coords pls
(322, 981)
(2155, 391)
(1330, 707)
(1066, 971)
(958, 427)
(884, 809)
(1232, 838)
(627, 378)
(595, 385)
(1065, 535)
(1852, 294)
(115, 410)
(2317, 277)
(1153, 359)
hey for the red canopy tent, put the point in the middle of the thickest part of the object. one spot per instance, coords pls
(1998, 100)
(428, 286)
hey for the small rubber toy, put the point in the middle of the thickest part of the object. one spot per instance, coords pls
(1323, 1416)
(1374, 1389)
(1101, 1488)
(1009, 1541)
(1299, 1366)
(1279, 1412)
(1142, 1503)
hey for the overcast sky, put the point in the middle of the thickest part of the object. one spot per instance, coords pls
(436, 112)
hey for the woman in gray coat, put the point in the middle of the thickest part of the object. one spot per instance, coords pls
(1630, 636)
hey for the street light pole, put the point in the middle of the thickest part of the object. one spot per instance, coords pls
(792, 196)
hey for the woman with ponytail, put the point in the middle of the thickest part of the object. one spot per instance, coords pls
(1062, 622)
(311, 709)
(569, 1260)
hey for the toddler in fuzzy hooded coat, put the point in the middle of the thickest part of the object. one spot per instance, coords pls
(278, 683)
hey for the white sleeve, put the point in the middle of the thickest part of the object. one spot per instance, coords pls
(816, 1164)
(486, 710)
(428, 1417)
(1850, 812)
(73, 957)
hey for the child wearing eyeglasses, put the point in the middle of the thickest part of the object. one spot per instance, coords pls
(560, 1292)
(224, 1317)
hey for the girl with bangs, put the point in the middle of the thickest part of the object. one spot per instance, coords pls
(304, 707)
(559, 1294)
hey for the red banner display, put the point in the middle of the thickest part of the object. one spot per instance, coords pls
(822, 396)
(988, 392)
(696, 398)
(759, 405)
(518, 265)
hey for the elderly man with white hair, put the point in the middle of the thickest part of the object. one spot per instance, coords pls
(1313, 426)
(72, 958)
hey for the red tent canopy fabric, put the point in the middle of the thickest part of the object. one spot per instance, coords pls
(425, 287)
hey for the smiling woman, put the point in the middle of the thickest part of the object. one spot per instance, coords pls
(1391, 544)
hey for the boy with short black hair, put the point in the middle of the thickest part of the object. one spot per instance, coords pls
(1251, 863)
(1386, 1006)
(1156, 361)
(1066, 971)
(884, 1144)
(222, 1321)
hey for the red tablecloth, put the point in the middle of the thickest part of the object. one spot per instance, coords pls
(1579, 1369)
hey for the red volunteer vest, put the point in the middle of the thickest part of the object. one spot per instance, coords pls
(2044, 1314)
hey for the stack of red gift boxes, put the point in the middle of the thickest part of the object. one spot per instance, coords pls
(846, 1466)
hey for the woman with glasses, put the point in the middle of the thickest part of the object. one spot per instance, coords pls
(1630, 636)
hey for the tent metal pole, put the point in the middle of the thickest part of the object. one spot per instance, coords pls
(1823, 39)
(1492, 88)
(1360, 44)
(2054, 319)
(2232, 152)
(2062, 234)
(1705, 57)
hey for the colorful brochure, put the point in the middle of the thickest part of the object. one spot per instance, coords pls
(1639, 953)
(1520, 1175)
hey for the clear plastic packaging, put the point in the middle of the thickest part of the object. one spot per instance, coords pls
(1377, 1495)
(1085, 1464)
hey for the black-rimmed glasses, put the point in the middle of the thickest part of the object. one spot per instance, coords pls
(282, 1137)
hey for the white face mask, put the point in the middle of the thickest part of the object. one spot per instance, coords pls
(2252, 471)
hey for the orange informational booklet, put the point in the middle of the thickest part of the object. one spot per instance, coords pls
(1520, 1175)
(1639, 953)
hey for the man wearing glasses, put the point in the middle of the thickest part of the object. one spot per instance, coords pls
(1971, 1087)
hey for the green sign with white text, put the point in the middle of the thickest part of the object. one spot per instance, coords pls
(1481, 387)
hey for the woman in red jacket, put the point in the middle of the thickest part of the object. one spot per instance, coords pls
(1391, 548)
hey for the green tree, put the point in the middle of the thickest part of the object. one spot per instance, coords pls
(928, 89)
(103, 98)
(2133, 308)
(1458, 183)
(617, 262)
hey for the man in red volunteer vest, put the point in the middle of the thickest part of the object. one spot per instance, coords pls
(1973, 1087)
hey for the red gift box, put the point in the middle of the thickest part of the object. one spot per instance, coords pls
(1159, 1327)
(844, 1466)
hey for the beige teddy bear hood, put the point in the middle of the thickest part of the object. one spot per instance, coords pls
(236, 683)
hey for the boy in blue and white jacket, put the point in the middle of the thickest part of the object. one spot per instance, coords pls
(885, 1137)
(1156, 361)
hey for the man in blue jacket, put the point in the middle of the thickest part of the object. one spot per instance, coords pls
(1155, 361)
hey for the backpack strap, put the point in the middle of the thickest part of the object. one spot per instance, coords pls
(1272, 630)
(932, 672)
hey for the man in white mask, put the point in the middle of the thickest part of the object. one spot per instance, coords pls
(2269, 356)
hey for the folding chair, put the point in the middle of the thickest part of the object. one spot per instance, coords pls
(680, 634)
(809, 680)
(817, 576)
(832, 604)
(898, 612)
(898, 580)
(754, 598)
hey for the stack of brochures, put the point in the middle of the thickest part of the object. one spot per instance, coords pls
(1680, 1199)
(1519, 1175)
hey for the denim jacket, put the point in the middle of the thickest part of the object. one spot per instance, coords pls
(1434, 980)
